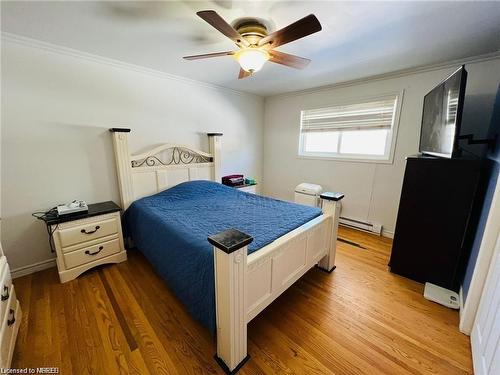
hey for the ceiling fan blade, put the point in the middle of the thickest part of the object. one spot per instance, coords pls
(288, 60)
(213, 18)
(299, 29)
(243, 74)
(208, 55)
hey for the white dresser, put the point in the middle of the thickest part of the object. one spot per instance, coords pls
(10, 310)
(10, 313)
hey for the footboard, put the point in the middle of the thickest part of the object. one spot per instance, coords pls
(271, 270)
(246, 284)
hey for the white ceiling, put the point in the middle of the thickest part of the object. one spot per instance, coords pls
(358, 39)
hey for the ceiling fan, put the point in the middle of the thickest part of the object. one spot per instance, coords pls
(256, 46)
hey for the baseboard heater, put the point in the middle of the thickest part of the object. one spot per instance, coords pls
(362, 225)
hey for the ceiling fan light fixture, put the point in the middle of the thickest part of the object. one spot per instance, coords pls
(256, 45)
(252, 59)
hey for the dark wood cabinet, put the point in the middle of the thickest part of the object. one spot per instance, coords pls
(435, 220)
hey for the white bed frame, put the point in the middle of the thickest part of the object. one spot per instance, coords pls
(244, 285)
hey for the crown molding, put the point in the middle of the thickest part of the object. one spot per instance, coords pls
(55, 48)
(66, 51)
(390, 75)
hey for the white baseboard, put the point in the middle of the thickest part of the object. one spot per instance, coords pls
(387, 233)
(461, 326)
(32, 268)
(461, 301)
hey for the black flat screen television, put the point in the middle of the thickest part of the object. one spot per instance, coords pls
(442, 116)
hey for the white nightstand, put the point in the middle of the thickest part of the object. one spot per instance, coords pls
(84, 241)
(248, 188)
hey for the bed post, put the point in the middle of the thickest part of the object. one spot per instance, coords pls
(123, 165)
(215, 147)
(331, 205)
(230, 265)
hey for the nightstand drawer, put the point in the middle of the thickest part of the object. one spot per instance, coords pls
(88, 231)
(88, 254)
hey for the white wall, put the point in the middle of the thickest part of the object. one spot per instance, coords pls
(56, 112)
(57, 107)
(372, 190)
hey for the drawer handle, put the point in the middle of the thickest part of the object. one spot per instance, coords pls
(84, 231)
(5, 297)
(97, 252)
(13, 320)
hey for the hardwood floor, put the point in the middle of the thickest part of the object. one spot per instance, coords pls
(360, 319)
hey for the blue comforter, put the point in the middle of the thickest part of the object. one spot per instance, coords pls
(171, 229)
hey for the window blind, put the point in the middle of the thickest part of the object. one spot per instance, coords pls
(377, 114)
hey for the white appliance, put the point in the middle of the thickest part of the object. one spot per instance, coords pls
(308, 194)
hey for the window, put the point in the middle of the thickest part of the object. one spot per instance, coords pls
(360, 131)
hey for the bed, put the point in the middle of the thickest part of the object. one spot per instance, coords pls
(164, 229)
(226, 254)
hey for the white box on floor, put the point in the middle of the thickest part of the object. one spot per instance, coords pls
(441, 295)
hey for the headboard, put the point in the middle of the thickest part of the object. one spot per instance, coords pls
(163, 166)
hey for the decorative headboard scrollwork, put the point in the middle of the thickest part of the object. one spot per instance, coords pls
(175, 155)
(163, 166)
